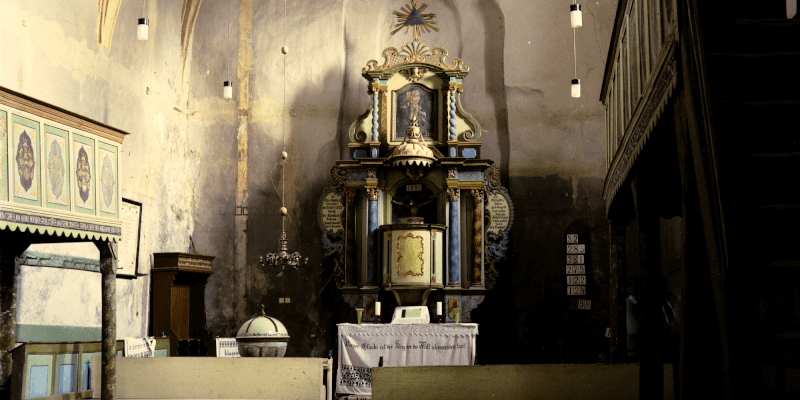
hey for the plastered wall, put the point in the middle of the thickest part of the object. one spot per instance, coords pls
(193, 157)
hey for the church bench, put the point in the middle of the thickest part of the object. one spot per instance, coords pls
(220, 378)
(531, 381)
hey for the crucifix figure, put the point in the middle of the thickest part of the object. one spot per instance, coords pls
(413, 209)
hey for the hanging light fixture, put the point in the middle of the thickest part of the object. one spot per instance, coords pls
(144, 23)
(575, 15)
(281, 259)
(227, 90)
(576, 83)
(227, 86)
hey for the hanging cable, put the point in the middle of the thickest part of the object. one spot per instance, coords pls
(283, 138)
(283, 258)
(575, 22)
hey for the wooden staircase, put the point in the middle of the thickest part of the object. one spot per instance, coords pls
(753, 68)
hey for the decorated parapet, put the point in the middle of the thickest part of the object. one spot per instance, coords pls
(59, 172)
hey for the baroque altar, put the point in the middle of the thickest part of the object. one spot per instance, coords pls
(416, 215)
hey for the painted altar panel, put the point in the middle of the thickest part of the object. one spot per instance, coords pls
(57, 176)
(85, 173)
(26, 157)
(415, 101)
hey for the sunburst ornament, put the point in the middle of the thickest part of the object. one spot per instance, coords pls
(411, 17)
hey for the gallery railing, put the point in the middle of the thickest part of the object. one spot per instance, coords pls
(639, 78)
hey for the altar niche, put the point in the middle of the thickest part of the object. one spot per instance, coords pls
(415, 101)
(414, 202)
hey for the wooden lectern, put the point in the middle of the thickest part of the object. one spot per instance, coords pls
(179, 282)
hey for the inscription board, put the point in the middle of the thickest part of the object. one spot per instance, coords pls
(576, 279)
(576, 290)
(330, 212)
(580, 304)
(414, 188)
(575, 259)
(576, 269)
(577, 250)
(499, 211)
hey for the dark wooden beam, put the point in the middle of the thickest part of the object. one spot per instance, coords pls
(108, 270)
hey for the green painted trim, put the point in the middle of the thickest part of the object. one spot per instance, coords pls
(65, 153)
(92, 167)
(83, 139)
(4, 155)
(48, 333)
(37, 259)
(37, 157)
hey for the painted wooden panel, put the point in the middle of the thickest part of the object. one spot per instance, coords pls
(59, 173)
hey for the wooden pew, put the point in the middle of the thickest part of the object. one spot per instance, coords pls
(221, 378)
(531, 381)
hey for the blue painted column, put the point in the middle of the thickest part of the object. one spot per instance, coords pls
(372, 228)
(454, 247)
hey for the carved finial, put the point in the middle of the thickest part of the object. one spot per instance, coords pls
(263, 314)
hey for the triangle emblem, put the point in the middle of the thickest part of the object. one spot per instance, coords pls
(414, 18)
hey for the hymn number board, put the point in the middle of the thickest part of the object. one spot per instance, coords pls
(577, 257)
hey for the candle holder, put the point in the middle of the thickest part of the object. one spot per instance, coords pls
(439, 319)
(377, 319)
(359, 313)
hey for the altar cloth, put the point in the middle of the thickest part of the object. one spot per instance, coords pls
(362, 346)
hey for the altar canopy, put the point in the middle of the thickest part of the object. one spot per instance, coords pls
(362, 346)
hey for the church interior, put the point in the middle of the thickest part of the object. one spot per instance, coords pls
(295, 199)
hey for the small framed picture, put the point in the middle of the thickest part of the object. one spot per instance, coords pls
(128, 249)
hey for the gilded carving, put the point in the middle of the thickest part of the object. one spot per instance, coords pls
(371, 174)
(453, 193)
(477, 237)
(412, 18)
(493, 177)
(415, 173)
(372, 194)
(414, 74)
(415, 52)
(413, 246)
(349, 196)
(451, 174)
(338, 175)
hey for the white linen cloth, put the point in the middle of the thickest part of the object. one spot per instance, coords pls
(362, 346)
